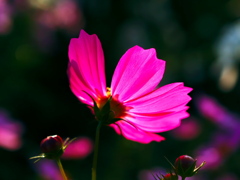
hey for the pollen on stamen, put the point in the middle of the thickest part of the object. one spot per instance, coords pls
(109, 92)
(101, 101)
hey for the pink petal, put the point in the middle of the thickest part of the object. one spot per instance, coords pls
(158, 122)
(172, 97)
(78, 87)
(86, 69)
(138, 72)
(134, 133)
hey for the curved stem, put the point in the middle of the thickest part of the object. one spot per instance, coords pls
(94, 167)
(61, 169)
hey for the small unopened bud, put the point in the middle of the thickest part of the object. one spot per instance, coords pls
(52, 146)
(185, 166)
(170, 176)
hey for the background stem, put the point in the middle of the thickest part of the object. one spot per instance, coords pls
(95, 156)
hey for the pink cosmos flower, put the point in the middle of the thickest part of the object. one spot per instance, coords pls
(133, 105)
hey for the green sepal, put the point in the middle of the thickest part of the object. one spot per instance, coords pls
(95, 107)
(192, 170)
(38, 158)
(183, 172)
(104, 114)
(54, 155)
(201, 165)
(106, 108)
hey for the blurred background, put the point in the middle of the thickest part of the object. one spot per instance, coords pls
(199, 39)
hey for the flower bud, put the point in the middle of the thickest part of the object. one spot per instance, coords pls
(185, 166)
(52, 146)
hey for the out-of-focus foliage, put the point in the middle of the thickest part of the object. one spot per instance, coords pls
(198, 39)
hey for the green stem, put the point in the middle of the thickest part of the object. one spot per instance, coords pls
(183, 178)
(94, 168)
(61, 169)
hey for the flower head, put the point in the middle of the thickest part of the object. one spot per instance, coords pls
(133, 104)
(52, 147)
(185, 166)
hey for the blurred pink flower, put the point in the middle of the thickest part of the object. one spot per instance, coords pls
(189, 129)
(55, 16)
(218, 114)
(10, 132)
(224, 142)
(48, 170)
(78, 149)
(220, 147)
(137, 107)
(5, 17)
(211, 155)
